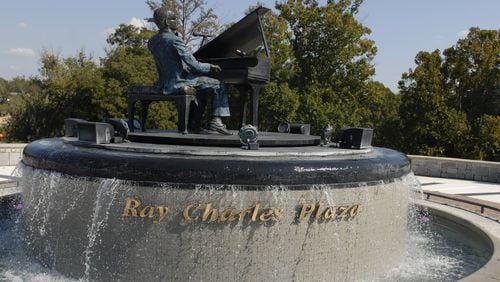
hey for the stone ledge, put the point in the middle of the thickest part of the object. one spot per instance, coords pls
(11, 153)
(9, 188)
(12, 145)
(455, 168)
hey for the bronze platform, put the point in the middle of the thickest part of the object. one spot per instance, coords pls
(265, 139)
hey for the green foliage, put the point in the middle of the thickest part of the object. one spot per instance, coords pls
(379, 109)
(450, 104)
(67, 89)
(129, 61)
(472, 71)
(328, 42)
(321, 106)
(130, 37)
(79, 87)
(321, 59)
(32, 120)
(72, 85)
(14, 92)
(21, 85)
(489, 138)
(4, 91)
(278, 103)
(331, 59)
(430, 126)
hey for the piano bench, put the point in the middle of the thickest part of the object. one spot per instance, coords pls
(146, 94)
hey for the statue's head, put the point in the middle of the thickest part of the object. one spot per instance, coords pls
(165, 19)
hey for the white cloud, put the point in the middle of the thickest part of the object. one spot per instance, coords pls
(463, 34)
(27, 52)
(14, 68)
(108, 31)
(139, 23)
(22, 25)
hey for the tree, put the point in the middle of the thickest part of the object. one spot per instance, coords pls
(379, 109)
(4, 91)
(429, 125)
(489, 141)
(472, 71)
(4, 96)
(278, 101)
(332, 59)
(128, 61)
(132, 38)
(68, 88)
(321, 70)
(22, 85)
(194, 18)
(13, 91)
(78, 87)
(450, 102)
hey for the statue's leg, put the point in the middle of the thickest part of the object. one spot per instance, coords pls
(220, 105)
(220, 100)
(196, 111)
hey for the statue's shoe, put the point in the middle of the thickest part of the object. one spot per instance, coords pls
(219, 128)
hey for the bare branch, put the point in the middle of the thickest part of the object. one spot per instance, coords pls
(192, 15)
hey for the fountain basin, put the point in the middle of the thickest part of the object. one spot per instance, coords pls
(137, 211)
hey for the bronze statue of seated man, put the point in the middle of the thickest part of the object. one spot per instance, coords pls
(177, 68)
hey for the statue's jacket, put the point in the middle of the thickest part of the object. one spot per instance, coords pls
(176, 66)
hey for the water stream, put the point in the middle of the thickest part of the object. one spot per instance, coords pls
(435, 249)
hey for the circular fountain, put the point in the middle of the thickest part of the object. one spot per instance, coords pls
(166, 206)
(140, 211)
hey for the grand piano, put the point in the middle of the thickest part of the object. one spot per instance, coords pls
(243, 55)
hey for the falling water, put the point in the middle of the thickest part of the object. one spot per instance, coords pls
(105, 198)
(436, 248)
(433, 251)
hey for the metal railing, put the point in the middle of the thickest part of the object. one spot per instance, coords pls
(462, 199)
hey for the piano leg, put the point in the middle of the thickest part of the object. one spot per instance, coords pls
(144, 114)
(255, 104)
(131, 112)
(244, 93)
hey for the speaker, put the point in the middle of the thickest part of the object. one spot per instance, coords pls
(71, 126)
(295, 128)
(95, 132)
(355, 138)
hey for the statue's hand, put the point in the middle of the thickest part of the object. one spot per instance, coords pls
(215, 69)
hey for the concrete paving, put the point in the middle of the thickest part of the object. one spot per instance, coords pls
(6, 172)
(8, 182)
(469, 188)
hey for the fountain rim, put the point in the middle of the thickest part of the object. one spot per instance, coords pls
(220, 151)
(373, 165)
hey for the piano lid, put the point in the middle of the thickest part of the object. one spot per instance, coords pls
(245, 35)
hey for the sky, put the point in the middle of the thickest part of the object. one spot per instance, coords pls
(400, 28)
